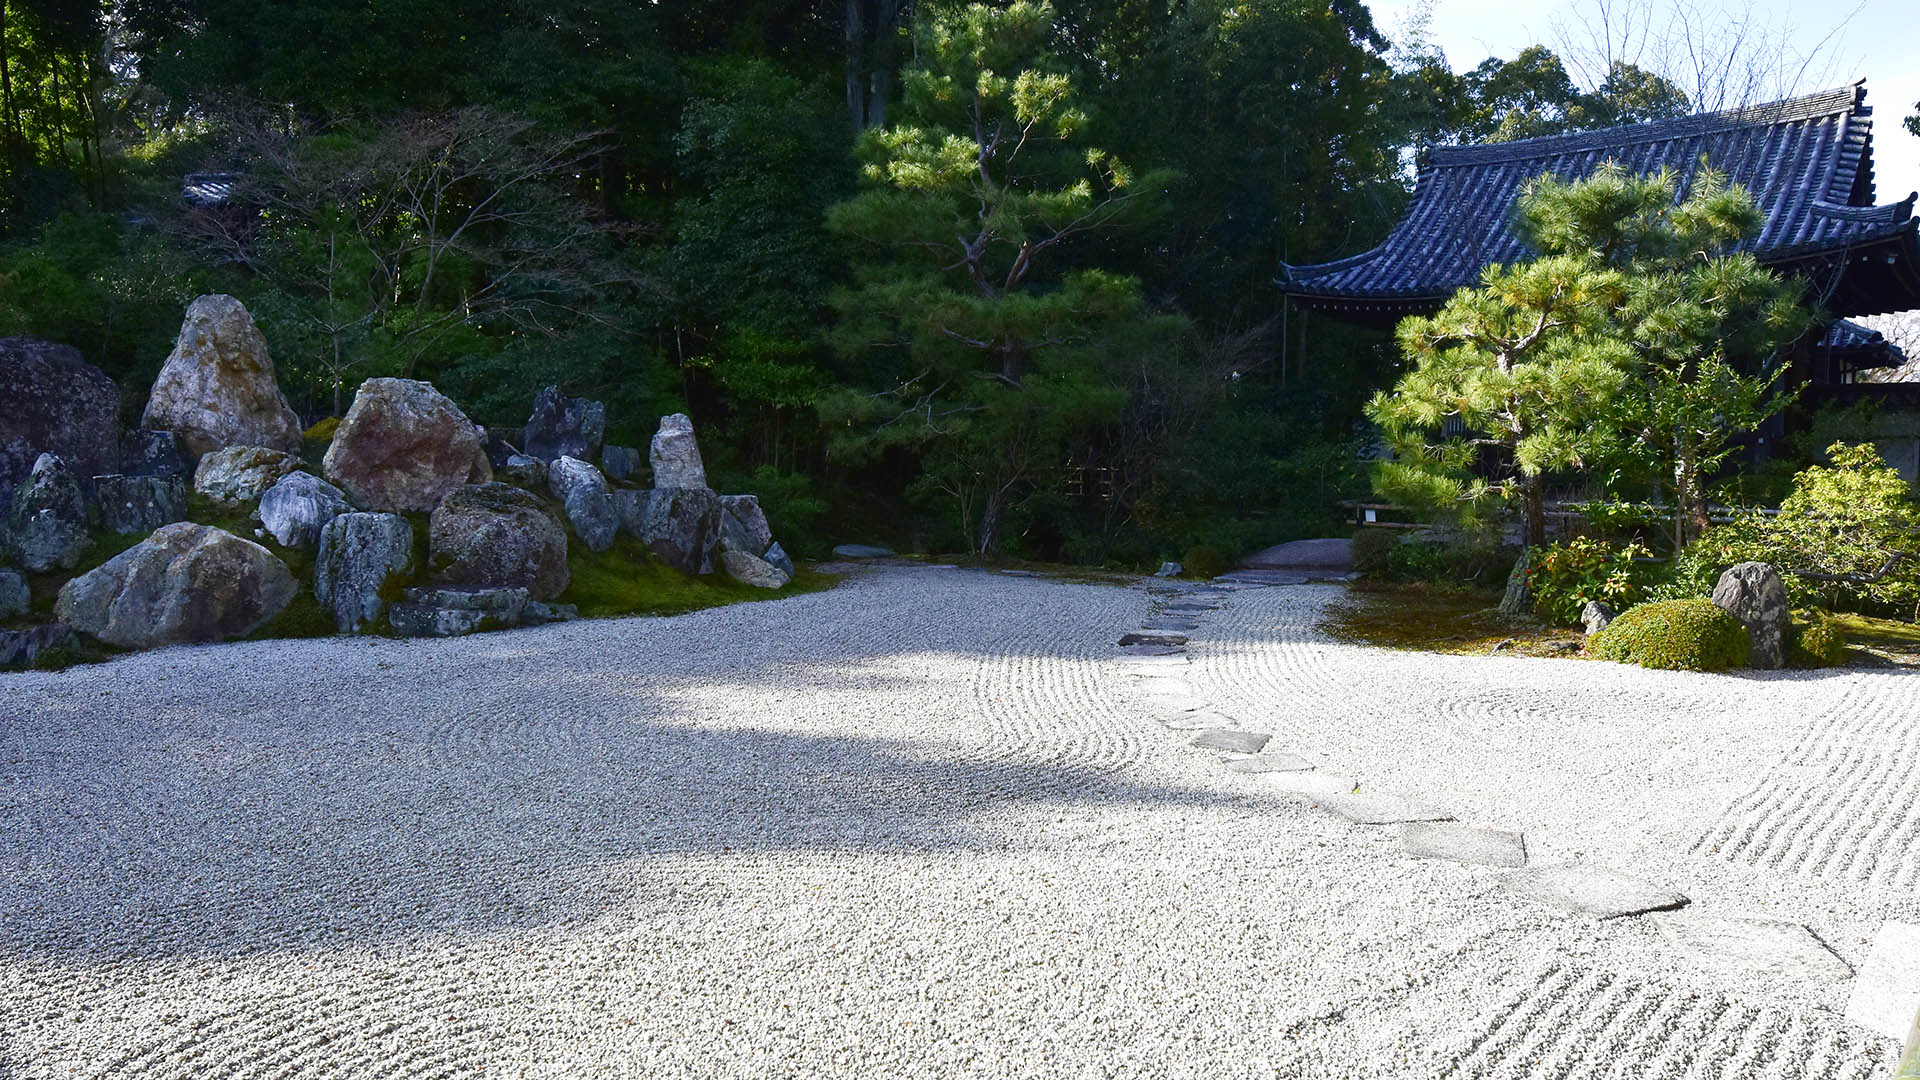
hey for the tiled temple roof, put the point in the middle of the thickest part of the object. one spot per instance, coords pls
(1808, 162)
(1861, 346)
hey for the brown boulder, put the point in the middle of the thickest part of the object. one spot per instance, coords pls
(218, 387)
(403, 446)
(497, 534)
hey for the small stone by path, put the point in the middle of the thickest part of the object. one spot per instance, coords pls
(1886, 995)
(1309, 784)
(1463, 843)
(1152, 650)
(862, 551)
(1279, 761)
(1601, 894)
(1231, 740)
(1764, 945)
(1379, 809)
(1197, 720)
(1162, 622)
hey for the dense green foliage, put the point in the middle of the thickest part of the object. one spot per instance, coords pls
(1638, 345)
(1674, 635)
(1818, 642)
(1565, 577)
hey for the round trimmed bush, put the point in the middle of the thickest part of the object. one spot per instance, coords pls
(1817, 643)
(1674, 635)
(1204, 563)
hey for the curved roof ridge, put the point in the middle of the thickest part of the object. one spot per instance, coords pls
(1848, 99)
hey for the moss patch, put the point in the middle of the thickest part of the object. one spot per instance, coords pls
(626, 579)
(1429, 618)
(1886, 639)
(1675, 635)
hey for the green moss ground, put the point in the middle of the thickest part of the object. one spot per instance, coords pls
(1425, 618)
(626, 579)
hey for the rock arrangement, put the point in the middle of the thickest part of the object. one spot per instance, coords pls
(217, 426)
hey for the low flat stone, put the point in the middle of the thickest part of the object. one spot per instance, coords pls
(1153, 650)
(1601, 894)
(1202, 719)
(505, 600)
(1335, 553)
(1379, 809)
(1153, 639)
(1315, 785)
(1158, 683)
(1164, 622)
(1146, 667)
(421, 620)
(1186, 608)
(1463, 843)
(1886, 995)
(1277, 762)
(539, 612)
(1231, 740)
(1764, 945)
(19, 648)
(862, 551)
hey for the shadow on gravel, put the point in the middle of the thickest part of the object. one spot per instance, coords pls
(372, 802)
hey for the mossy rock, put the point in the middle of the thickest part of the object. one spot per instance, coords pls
(1674, 635)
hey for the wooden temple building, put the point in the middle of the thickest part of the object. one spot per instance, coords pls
(1807, 161)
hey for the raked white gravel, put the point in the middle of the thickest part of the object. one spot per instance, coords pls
(922, 825)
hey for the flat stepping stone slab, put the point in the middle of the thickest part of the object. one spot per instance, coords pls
(1378, 809)
(1765, 945)
(1279, 761)
(1314, 785)
(1198, 720)
(1886, 995)
(1191, 609)
(1231, 740)
(1153, 639)
(1164, 622)
(1463, 843)
(1154, 650)
(1601, 894)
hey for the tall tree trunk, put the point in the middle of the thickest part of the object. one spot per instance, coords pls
(1690, 517)
(856, 38)
(1533, 503)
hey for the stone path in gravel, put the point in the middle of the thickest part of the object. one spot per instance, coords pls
(938, 823)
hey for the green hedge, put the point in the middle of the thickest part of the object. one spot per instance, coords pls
(1682, 635)
(1816, 643)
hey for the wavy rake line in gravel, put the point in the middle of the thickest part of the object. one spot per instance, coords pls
(1572, 1023)
(1845, 805)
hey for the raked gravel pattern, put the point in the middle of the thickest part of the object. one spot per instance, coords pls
(929, 823)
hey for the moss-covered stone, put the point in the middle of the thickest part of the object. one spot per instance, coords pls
(1674, 635)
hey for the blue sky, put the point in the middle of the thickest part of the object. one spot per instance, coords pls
(1879, 42)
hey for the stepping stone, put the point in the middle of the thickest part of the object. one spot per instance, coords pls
(1311, 784)
(1229, 739)
(1154, 650)
(1197, 720)
(1161, 683)
(1463, 843)
(1153, 639)
(1602, 894)
(1174, 705)
(1191, 609)
(1765, 945)
(1162, 622)
(1280, 761)
(1886, 995)
(1375, 809)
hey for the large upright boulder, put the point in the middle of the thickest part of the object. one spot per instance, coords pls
(218, 387)
(497, 534)
(241, 474)
(588, 501)
(185, 583)
(362, 563)
(46, 526)
(681, 526)
(54, 402)
(403, 446)
(295, 509)
(675, 455)
(1753, 593)
(564, 427)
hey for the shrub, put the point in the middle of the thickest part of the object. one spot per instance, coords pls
(1203, 562)
(1373, 551)
(1695, 571)
(1565, 576)
(1817, 642)
(1848, 518)
(1674, 635)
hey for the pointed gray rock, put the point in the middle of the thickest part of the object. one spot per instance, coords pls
(743, 525)
(1753, 593)
(1463, 843)
(777, 556)
(47, 526)
(587, 499)
(218, 387)
(241, 474)
(296, 508)
(675, 455)
(620, 463)
(564, 427)
(1601, 894)
(361, 561)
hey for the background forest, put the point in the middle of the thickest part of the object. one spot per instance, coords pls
(985, 279)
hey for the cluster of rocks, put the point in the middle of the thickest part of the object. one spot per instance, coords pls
(496, 550)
